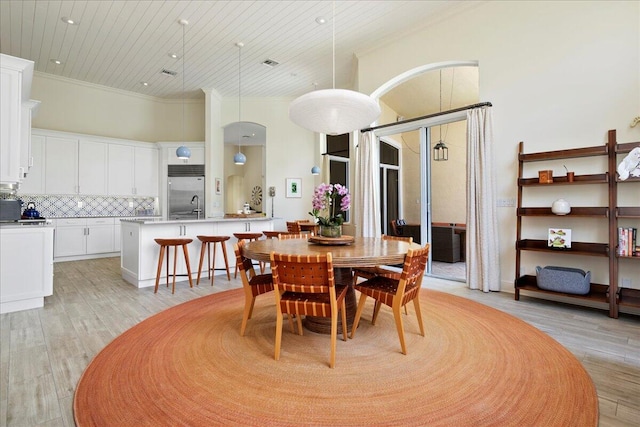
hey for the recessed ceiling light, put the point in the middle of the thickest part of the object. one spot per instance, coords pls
(320, 20)
(56, 61)
(144, 83)
(270, 63)
(69, 21)
(173, 55)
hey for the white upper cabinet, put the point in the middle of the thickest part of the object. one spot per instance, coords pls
(34, 182)
(146, 171)
(15, 85)
(121, 170)
(61, 165)
(92, 167)
(133, 170)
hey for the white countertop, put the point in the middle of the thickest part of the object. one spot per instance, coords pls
(159, 221)
(24, 226)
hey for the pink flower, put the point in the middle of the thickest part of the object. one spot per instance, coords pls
(324, 199)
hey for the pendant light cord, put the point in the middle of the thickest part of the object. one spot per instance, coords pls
(333, 24)
(440, 127)
(183, 101)
(239, 44)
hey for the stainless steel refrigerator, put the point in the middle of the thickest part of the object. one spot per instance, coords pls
(186, 192)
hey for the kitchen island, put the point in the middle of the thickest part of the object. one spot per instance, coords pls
(139, 252)
(26, 266)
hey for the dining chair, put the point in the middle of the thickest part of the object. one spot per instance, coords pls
(380, 270)
(293, 227)
(305, 285)
(253, 285)
(396, 293)
(286, 236)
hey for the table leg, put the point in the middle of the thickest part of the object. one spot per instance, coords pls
(322, 325)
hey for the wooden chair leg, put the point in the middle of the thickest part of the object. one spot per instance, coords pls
(299, 320)
(398, 317)
(212, 265)
(343, 311)
(226, 261)
(246, 315)
(168, 252)
(356, 320)
(175, 264)
(376, 310)
(416, 305)
(202, 249)
(334, 334)
(186, 258)
(278, 334)
(159, 271)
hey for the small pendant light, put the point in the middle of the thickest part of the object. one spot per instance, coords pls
(239, 158)
(440, 150)
(183, 152)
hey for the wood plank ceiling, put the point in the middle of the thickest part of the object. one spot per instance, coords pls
(120, 44)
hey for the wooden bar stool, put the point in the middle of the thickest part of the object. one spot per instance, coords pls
(249, 237)
(207, 241)
(168, 243)
(273, 234)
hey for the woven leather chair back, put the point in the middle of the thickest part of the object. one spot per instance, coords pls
(293, 227)
(298, 273)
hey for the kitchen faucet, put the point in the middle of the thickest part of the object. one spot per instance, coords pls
(197, 210)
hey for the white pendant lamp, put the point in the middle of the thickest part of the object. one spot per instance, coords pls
(334, 111)
(239, 158)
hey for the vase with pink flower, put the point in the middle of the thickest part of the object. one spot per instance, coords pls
(329, 203)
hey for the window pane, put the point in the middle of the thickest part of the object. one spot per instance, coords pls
(338, 145)
(339, 173)
(388, 154)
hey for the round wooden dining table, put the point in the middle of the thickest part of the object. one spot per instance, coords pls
(362, 252)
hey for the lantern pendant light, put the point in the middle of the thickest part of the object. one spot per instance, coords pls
(239, 158)
(183, 152)
(334, 111)
(440, 150)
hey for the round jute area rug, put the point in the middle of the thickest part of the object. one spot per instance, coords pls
(476, 366)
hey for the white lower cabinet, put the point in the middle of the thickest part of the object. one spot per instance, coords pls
(26, 267)
(139, 252)
(81, 238)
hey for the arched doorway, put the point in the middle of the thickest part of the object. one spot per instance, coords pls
(433, 193)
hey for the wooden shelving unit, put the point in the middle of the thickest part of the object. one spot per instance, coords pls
(612, 295)
(624, 297)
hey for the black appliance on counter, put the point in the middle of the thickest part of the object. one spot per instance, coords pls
(10, 210)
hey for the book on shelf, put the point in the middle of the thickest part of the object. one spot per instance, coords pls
(628, 242)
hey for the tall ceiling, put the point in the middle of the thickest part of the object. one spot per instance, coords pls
(121, 44)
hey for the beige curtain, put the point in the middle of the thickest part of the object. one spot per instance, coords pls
(325, 174)
(483, 265)
(368, 204)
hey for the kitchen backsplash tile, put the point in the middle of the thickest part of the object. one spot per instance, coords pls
(59, 206)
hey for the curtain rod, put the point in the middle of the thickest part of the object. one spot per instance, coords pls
(441, 113)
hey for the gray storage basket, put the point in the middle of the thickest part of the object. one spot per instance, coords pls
(563, 279)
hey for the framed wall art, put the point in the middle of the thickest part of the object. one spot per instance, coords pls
(294, 187)
(218, 186)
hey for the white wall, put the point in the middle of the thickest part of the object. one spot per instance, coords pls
(289, 152)
(75, 106)
(559, 74)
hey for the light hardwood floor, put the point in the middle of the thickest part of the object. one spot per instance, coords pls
(44, 351)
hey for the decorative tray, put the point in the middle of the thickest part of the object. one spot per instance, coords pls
(342, 240)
